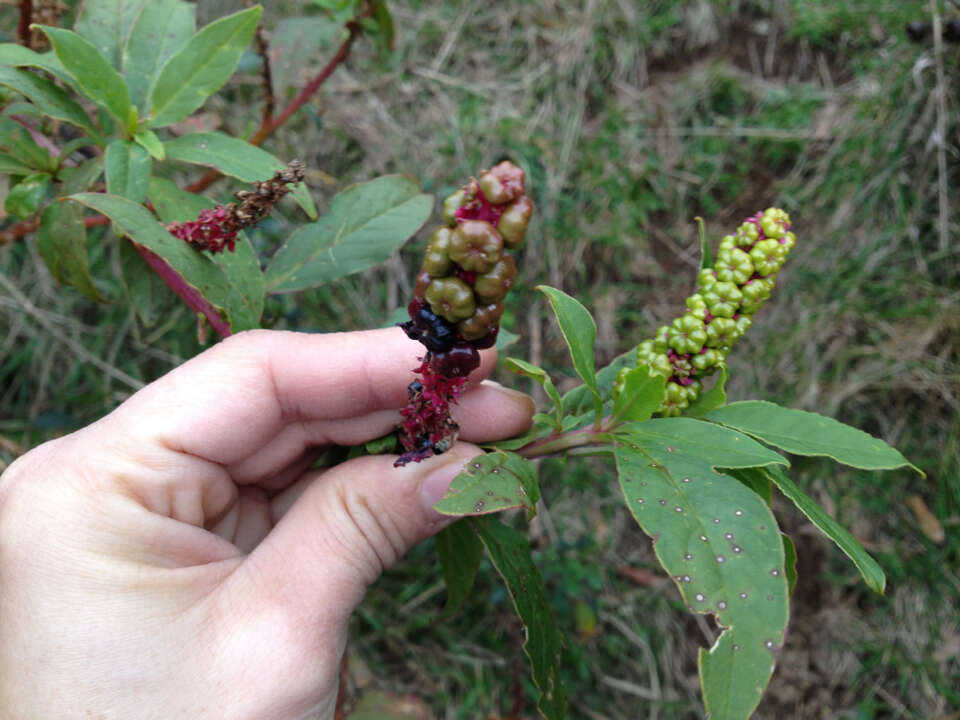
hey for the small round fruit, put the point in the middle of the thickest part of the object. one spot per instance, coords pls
(513, 223)
(451, 298)
(482, 323)
(459, 361)
(496, 283)
(420, 285)
(502, 183)
(451, 205)
(476, 245)
(437, 260)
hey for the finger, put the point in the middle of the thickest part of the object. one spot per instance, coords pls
(230, 401)
(340, 534)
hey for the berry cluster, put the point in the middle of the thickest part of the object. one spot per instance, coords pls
(458, 300)
(215, 229)
(741, 280)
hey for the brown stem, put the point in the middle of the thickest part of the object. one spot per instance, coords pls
(194, 300)
(26, 18)
(268, 128)
(25, 227)
(266, 75)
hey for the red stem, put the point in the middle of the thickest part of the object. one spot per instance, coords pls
(194, 300)
(26, 17)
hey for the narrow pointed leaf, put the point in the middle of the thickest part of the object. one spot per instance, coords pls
(27, 197)
(805, 433)
(62, 243)
(15, 55)
(642, 395)
(580, 332)
(237, 158)
(9, 165)
(107, 23)
(871, 571)
(81, 177)
(579, 400)
(460, 552)
(490, 483)
(161, 29)
(49, 98)
(522, 367)
(365, 224)
(95, 77)
(201, 67)
(712, 399)
(16, 139)
(719, 542)
(790, 558)
(510, 553)
(148, 140)
(128, 170)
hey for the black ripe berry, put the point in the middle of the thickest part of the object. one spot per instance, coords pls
(459, 361)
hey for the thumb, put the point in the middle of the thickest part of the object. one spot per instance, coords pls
(350, 524)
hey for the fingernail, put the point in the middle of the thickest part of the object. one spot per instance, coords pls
(435, 485)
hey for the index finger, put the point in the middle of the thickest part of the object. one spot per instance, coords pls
(232, 399)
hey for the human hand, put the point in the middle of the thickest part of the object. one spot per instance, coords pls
(176, 560)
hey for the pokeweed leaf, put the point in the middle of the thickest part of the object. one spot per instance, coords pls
(16, 139)
(719, 542)
(241, 267)
(790, 558)
(510, 553)
(49, 98)
(806, 433)
(580, 332)
(9, 165)
(19, 56)
(490, 483)
(712, 399)
(82, 176)
(365, 224)
(27, 197)
(128, 170)
(62, 243)
(579, 400)
(237, 158)
(460, 552)
(201, 67)
(161, 29)
(94, 76)
(642, 395)
(754, 478)
(107, 23)
(522, 367)
(147, 293)
(148, 140)
(871, 571)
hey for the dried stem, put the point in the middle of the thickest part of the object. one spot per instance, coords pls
(266, 74)
(941, 94)
(26, 18)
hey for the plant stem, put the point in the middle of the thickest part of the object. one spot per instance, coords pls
(562, 442)
(24, 227)
(26, 17)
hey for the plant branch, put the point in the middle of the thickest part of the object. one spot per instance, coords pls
(562, 442)
(25, 227)
(266, 74)
(26, 18)
(194, 300)
(267, 128)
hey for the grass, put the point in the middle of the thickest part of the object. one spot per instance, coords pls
(630, 119)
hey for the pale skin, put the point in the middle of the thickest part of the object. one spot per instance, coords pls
(176, 559)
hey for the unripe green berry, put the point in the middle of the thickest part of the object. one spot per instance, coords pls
(687, 334)
(451, 298)
(747, 234)
(788, 241)
(743, 324)
(723, 299)
(658, 363)
(774, 223)
(768, 257)
(734, 266)
(722, 332)
(436, 260)
(706, 362)
(494, 285)
(476, 245)
(706, 278)
(513, 223)
(451, 205)
(660, 339)
(675, 401)
(758, 290)
(482, 322)
(697, 307)
(729, 242)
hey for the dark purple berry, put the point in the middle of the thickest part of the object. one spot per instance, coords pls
(459, 361)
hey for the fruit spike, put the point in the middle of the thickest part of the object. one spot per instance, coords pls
(696, 344)
(467, 272)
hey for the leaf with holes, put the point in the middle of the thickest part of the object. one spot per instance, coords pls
(510, 553)
(365, 224)
(490, 483)
(718, 540)
(460, 552)
(806, 433)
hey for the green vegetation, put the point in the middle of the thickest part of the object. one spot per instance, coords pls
(630, 119)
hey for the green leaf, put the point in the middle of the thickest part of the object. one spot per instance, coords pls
(756, 479)
(713, 398)
(128, 170)
(15, 138)
(365, 224)
(718, 541)
(241, 267)
(93, 74)
(236, 158)
(790, 558)
(27, 196)
(805, 433)
(20, 56)
(490, 483)
(147, 293)
(80, 178)
(196, 268)
(9, 165)
(49, 98)
(641, 397)
(460, 552)
(384, 20)
(148, 140)
(510, 553)
(161, 29)
(522, 367)
(201, 67)
(296, 40)
(869, 568)
(62, 243)
(580, 332)
(579, 400)
(107, 23)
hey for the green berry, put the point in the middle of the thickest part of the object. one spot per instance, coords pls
(451, 298)
(768, 257)
(733, 266)
(476, 245)
(729, 242)
(743, 324)
(723, 299)
(788, 241)
(482, 322)
(706, 362)
(774, 223)
(660, 339)
(513, 223)
(707, 278)
(687, 334)
(494, 284)
(747, 234)
(722, 332)
(451, 205)
(437, 260)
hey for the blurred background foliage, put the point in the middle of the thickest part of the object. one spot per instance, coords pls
(630, 120)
